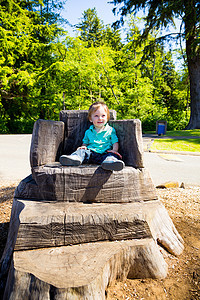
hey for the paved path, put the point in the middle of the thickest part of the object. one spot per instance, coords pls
(14, 157)
(14, 163)
(168, 167)
(171, 165)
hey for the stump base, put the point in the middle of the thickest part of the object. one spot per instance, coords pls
(81, 271)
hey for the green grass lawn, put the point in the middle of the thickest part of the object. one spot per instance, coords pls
(194, 132)
(181, 144)
(191, 145)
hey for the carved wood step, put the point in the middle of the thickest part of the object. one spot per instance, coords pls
(58, 224)
(87, 183)
(81, 271)
(37, 224)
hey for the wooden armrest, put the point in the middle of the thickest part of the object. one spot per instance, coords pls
(47, 141)
(129, 133)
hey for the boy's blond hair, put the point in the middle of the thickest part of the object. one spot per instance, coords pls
(95, 106)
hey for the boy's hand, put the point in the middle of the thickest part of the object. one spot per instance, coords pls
(115, 152)
(82, 147)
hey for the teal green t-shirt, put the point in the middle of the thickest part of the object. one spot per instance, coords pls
(101, 141)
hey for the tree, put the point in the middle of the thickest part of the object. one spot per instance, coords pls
(162, 14)
(93, 31)
(91, 27)
(113, 38)
(26, 50)
(48, 10)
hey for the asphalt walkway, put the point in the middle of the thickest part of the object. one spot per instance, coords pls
(163, 167)
(14, 157)
(177, 166)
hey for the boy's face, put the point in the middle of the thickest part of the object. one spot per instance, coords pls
(99, 117)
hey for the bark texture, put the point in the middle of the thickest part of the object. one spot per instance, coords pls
(74, 230)
(191, 20)
(194, 73)
(87, 184)
(82, 271)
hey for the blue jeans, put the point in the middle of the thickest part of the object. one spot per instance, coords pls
(91, 157)
(98, 158)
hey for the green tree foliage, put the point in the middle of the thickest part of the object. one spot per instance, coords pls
(25, 51)
(162, 14)
(91, 28)
(50, 11)
(112, 37)
(151, 85)
(42, 70)
(93, 31)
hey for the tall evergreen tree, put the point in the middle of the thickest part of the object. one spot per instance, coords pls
(91, 27)
(112, 37)
(161, 14)
(50, 11)
(95, 33)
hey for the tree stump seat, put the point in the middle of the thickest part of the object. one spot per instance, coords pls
(81, 272)
(87, 183)
(75, 250)
(74, 230)
(40, 224)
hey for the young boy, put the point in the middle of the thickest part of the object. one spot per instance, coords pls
(100, 143)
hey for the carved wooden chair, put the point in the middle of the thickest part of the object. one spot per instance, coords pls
(86, 183)
(115, 240)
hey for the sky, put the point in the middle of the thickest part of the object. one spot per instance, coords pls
(74, 9)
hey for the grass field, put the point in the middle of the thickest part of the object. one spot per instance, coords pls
(180, 144)
(190, 145)
(194, 132)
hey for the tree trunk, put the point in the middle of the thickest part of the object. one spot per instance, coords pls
(75, 250)
(81, 272)
(193, 59)
(194, 73)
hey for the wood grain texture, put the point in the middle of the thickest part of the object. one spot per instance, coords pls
(47, 142)
(163, 229)
(44, 224)
(87, 183)
(58, 224)
(129, 133)
(82, 271)
(52, 215)
(27, 189)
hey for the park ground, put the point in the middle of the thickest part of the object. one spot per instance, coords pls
(183, 279)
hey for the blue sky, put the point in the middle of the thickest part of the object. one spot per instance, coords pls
(74, 9)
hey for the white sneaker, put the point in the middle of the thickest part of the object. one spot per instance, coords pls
(112, 164)
(70, 160)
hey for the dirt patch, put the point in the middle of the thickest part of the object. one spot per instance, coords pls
(183, 280)
(6, 199)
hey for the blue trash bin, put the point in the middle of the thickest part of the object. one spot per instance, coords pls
(161, 129)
